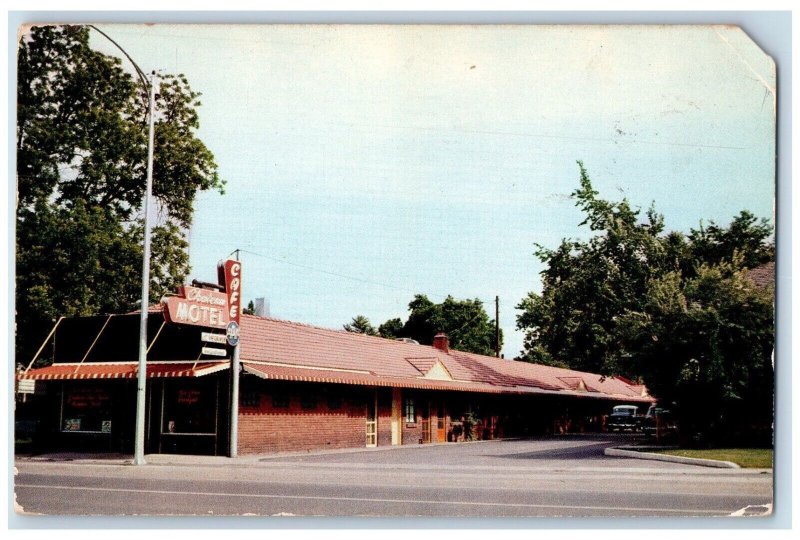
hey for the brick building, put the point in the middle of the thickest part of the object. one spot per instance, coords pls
(301, 388)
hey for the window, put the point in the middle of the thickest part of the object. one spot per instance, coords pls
(280, 400)
(410, 411)
(86, 408)
(251, 398)
(189, 406)
(308, 402)
(334, 403)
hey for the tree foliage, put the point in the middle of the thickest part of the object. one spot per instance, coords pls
(81, 167)
(391, 329)
(465, 322)
(361, 325)
(676, 311)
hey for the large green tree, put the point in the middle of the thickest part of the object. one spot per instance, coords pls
(81, 166)
(586, 285)
(465, 322)
(674, 310)
(703, 345)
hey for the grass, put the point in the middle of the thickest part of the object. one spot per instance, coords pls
(748, 458)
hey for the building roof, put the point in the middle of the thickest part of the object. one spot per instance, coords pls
(283, 350)
(764, 275)
(105, 348)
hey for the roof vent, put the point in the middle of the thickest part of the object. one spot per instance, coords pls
(408, 340)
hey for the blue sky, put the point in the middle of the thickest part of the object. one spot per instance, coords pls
(365, 164)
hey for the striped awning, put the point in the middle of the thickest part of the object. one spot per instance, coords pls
(126, 370)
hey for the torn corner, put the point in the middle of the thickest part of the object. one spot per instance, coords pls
(751, 56)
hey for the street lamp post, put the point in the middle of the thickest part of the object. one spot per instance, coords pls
(141, 379)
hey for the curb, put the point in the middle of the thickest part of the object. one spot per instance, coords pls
(623, 452)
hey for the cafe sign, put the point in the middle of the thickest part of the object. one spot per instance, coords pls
(198, 307)
(229, 274)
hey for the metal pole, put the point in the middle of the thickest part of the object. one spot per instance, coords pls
(234, 449)
(497, 326)
(138, 457)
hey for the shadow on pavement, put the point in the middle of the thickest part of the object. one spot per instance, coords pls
(587, 451)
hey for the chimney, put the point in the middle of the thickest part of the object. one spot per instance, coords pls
(261, 307)
(441, 342)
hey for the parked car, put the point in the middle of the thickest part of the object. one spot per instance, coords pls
(659, 423)
(624, 418)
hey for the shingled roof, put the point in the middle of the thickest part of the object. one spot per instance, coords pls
(284, 350)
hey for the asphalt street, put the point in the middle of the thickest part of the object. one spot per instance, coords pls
(554, 477)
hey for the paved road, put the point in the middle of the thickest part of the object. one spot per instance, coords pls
(546, 477)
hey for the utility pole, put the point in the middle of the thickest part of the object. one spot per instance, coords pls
(497, 326)
(141, 386)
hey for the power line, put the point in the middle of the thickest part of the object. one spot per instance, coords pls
(344, 276)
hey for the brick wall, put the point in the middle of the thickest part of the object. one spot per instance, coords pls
(280, 416)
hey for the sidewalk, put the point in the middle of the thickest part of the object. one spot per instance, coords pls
(247, 460)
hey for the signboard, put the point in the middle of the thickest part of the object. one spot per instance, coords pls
(198, 307)
(213, 351)
(26, 386)
(72, 424)
(229, 273)
(208, 337)
(232, 334)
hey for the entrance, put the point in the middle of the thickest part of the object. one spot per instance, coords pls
(189, 416)
(426, 424)
(372, 422)
(441, 434)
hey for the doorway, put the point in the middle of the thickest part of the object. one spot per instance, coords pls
(441, 423)
(372, 421)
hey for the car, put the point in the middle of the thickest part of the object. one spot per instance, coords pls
(624, 418)
(659, 423)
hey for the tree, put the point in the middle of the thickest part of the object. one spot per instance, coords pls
(250, 309)
(585, 285)
(676, 311)
(465, 322)
(704, 346)
(81, 166)
(391, 329)
(746, 235)
(361, 325)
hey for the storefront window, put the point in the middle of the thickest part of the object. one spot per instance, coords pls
(86, 409)
(190, 406)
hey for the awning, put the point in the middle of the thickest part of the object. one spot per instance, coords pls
(126, 370)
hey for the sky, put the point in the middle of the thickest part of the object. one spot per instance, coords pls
(365, 164)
